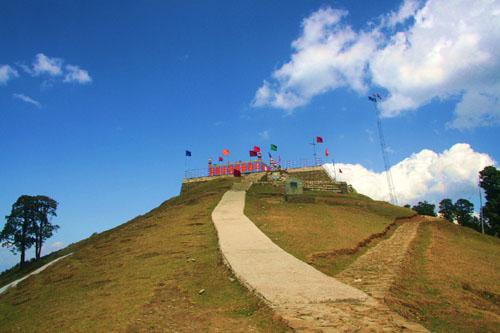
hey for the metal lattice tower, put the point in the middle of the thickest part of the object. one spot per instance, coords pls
(375, 98)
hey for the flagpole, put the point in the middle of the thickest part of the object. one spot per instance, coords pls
(314, 152)
(334, 169)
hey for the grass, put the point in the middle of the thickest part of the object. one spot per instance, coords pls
(143, 276)
(332, 222)
(15, 273)
(450, 281)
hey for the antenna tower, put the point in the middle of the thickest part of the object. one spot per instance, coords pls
(375, 98)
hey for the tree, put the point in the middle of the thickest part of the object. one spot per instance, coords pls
(447, 209)
(407, 206)
(463, 211)
(425, 208)
(489, 180)
(29, 224)
(17, 233)
(45, 209)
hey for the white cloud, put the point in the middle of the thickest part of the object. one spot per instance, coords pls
(327, 56)
(426, 175)
(264, 135)
(46, 65)
(405, 11)
(449, 48)
(76, 74)
(27, 99)
(54, 67)
(7, 73)
(57, 246)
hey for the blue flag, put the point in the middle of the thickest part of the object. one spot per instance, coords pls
(188, 153)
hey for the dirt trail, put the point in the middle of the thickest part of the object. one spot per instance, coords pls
(375, 271)
(308, 300)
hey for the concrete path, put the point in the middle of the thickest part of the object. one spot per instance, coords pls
(16, 282)
(305, 298)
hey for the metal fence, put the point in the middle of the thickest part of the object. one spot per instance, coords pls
(288, 164)
(302, 163)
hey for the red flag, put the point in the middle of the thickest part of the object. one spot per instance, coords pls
(326, 152)
(253, 153)
(221, 159)
(256, 149)
(225, 152)
(319, 139)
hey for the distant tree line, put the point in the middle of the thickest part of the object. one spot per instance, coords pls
(29, 224)
(462, 211)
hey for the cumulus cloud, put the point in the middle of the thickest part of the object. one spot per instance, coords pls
(46, 65)
(426, 175)
(327, 56)
(7, 73)
(57, 246)
(76, 74)
(264, 135)
(54, 67)
(419, 53)
(27, 99)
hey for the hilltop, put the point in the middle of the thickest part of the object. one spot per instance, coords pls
(163, 271)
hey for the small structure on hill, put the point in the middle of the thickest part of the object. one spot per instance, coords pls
(294, 186)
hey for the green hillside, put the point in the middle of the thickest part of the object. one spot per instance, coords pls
(162, 271)
(450, 278)
(316, 232)
(450, 281)
(143, 276)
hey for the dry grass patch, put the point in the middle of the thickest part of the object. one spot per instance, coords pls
(450, 281)
(143, 276)
(332, 223)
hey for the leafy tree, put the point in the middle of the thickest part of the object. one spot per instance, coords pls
(447, 209)
(463, 211)
(425, 208)
(489, 180)
(407, 206)
(29, 224)
(17, 233)
(45, 209)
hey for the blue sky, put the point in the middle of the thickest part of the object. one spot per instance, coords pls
(99, 100)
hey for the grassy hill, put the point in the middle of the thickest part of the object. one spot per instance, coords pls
(145, 275)
(326, 233)
(162, 271)
(450, 280)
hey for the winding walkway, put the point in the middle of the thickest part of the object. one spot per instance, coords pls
(38, 270)
(305, 298)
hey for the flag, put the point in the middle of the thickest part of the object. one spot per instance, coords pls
(253, 153)
(221, 159)
(326, 152)
(225, 152)
(373, 99)
(188, 153)
(340, 170)
(256, 149)
(274, 147)
(319, 139)
(259, 154)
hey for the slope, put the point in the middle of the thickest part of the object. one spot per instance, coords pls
(159, 272)
(448, 280)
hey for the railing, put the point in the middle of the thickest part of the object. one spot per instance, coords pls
(227, 169)
(249, 167)
(303, 163)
